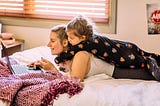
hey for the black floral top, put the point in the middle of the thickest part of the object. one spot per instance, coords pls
(121, 54)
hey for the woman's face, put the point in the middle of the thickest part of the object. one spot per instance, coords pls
(55, 44)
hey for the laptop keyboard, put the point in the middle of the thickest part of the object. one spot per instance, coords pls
(20, 69)
(23, 69)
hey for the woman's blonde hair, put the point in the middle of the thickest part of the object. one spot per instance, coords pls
(81, 26)
(61, 31)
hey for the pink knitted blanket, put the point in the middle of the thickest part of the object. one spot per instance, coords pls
(35, 89)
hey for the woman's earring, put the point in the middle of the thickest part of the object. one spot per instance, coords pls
(83, 37)
(65, 43)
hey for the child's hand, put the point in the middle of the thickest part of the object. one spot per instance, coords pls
(65, 66)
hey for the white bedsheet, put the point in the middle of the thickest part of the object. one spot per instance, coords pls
(100, 90)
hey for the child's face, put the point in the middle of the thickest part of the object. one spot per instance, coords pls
(73, 39)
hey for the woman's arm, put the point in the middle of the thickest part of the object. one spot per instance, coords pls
(80, 65)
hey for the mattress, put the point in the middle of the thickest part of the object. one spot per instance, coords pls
(101, 89)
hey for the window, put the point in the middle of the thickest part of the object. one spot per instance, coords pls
(15, 17)
(97, 10)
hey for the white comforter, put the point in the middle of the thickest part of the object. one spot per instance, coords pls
(100, 90)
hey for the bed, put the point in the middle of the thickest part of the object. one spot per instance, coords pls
(98, 90)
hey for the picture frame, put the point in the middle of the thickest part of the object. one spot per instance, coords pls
(153, 18)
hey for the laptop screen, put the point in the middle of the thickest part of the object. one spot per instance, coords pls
(6, 57)
(13, 68)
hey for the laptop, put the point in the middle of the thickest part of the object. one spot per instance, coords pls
(18, 68)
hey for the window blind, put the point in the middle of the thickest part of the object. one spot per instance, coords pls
(97, 10)
(11, 7)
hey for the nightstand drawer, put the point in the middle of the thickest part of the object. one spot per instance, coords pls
(12, 48)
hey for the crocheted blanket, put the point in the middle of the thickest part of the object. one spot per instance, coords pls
(35, 89)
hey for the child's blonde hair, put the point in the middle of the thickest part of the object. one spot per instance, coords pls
(81, 26)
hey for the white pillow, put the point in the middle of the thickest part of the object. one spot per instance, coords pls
(34, 54)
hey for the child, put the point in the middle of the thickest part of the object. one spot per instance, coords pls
(122, 54)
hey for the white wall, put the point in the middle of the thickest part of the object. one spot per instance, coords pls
(33, 36)
(131, 26)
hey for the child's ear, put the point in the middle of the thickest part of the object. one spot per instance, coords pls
(65, 43)
(83, 38)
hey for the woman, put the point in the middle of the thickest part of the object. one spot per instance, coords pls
(58, 43)
(83, 64)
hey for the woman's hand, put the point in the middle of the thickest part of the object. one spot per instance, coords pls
(47, 65)
(34, 64)
(43, 63)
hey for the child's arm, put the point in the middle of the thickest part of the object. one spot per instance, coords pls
(71, 52)
(63, 56)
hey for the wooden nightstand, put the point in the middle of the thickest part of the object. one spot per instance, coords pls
(12, 48)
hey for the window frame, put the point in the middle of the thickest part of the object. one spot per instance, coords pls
(48, 23)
